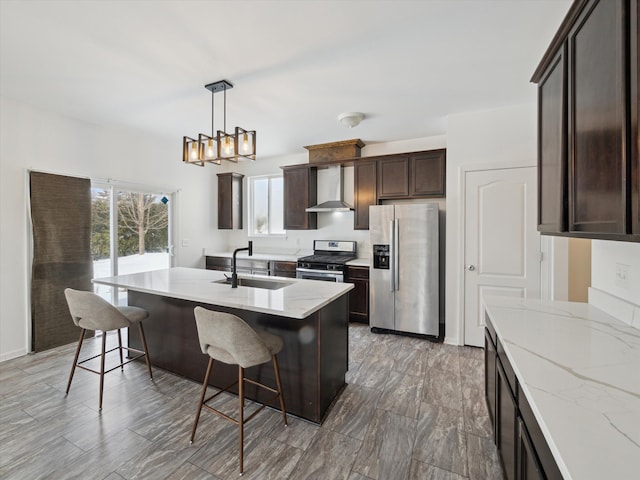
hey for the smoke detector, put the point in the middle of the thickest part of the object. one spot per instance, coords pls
(350, 119)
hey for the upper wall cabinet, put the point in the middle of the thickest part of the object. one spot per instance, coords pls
(587, 124)
(420, 174)
(364, 193)
(229, 200)
(300, 192)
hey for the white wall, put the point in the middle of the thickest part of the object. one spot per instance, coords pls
(35, 139)
(504, 136)
(607, 258)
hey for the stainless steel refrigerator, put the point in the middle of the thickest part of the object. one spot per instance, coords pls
(404, 278)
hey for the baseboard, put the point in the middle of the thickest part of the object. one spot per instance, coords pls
(617, 307)
(10, 355)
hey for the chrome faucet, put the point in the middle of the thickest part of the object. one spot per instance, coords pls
(234, 275)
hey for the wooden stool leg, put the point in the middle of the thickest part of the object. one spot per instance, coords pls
(104, 347)
(146, 350)
(202, 395)
(120, 350)
(75, 359)
(277, 370)
(241, 415)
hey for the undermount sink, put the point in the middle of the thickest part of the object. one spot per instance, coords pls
(256, 283)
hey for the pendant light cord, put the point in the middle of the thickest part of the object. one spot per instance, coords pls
(225, 110)
(213, 132)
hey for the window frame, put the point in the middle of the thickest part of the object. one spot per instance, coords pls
(250, 210)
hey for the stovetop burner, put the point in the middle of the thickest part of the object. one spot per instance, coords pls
(329, 255)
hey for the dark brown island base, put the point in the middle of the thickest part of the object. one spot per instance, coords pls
(313, 362)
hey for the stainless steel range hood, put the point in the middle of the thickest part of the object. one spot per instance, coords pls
(336, 204)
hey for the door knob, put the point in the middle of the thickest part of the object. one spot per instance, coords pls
(471, 268)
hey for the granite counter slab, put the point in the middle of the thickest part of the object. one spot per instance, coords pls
(580, 371)
(299, 299)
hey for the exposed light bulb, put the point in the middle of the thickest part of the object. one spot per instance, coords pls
(210, 150)
(245, 143)
(194, 151)
(228, 146)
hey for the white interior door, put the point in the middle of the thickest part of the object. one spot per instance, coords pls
(502, 245)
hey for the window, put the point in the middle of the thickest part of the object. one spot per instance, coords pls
(266, 206)
(131, 229)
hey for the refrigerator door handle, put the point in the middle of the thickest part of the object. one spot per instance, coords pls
(396, 254)
(391, 257)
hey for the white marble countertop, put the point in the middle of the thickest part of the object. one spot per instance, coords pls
(299, 299)
(359, 262)
(580, 371)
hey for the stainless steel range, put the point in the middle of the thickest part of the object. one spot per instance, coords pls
(328, 262)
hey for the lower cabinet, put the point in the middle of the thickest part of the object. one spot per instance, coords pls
(359, 296)
(528, 466)
(524, 452)
(506, 417)
(283, 269)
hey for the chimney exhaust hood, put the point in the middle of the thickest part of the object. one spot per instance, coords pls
(335, 185)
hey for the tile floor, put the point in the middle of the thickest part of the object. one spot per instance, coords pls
(411, 410)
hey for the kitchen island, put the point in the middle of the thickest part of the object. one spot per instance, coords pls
(311, 317)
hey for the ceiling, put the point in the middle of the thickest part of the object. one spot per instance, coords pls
(295, 65)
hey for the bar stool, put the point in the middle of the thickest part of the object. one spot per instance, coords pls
(228, 339)
(92, 312)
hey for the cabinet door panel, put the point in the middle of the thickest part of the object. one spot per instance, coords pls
(365, 193)
(506, 424)
(597, 119)
(552, 159)
(427, 174)
(300, 192)
(393, 177)
(528, 465)
(490, 378)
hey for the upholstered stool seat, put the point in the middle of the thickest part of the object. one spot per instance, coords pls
(228, 339)
(92, 312)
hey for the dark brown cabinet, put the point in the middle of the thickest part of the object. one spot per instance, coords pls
(359, 296)
(552, 151)
(597, 119)
(365, 193)
(283, 269)
(218, 263)
(588, 124)
(506, 417)
(300, 192)
(393, 177)
(490, 374)
(229, 200)
(427, 174)
(528, 466)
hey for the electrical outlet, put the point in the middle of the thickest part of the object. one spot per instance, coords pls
(622, 275)
(185, 242)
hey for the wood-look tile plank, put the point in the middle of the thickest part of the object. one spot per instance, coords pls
(442, 387)
(402, 394)
(440, 439)
(444, 357)
(410, 360)
(476, 416)
(483, 460)
(353, 411)
(39, 462)
(386, 449)
(424, 471)
(188, 471)
(330, 455)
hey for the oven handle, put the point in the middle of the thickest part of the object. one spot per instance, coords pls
(320, 272)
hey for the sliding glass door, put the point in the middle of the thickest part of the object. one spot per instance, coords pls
(131, 232)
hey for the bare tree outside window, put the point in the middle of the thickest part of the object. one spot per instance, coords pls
(141, 215)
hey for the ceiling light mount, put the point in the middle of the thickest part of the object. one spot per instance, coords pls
(220, 145)
(351, 119)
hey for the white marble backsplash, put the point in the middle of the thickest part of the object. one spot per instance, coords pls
(617, 307)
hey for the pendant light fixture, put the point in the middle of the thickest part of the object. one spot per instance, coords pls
(220, 145)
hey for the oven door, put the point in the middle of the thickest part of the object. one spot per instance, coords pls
(323, 275)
